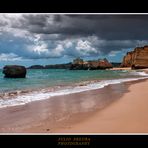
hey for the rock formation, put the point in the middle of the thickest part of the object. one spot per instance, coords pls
(136, 59)
(36, 67)
(58, 66)
(116, 64)
(14, 71)
(79, 64)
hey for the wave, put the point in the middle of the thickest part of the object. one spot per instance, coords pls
(22, 99)
(138, 73)
(142, 73)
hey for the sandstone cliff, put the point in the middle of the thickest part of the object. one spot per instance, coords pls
(136, 59)
(79, 64)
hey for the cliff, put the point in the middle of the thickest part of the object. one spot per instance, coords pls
(116, 64)
(136, 59)
(79, 64)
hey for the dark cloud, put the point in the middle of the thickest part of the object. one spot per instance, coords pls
(109, 27)
(38, 19)
(56, 35)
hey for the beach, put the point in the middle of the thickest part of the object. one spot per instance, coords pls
(116, 108)
(120, 68)
(126, 115)
(73, 73)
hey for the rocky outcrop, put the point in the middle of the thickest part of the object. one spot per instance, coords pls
(14, 71)
(136, 59)
(128, 59)
(79, 64)
(116, 64)
(58, 66)
(36, 67)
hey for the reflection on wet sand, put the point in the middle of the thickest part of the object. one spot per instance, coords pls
(57, 109)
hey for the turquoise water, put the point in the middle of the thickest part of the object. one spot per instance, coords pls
(41, 84)
(41, 78)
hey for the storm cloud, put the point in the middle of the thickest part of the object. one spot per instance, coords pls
(43, 36)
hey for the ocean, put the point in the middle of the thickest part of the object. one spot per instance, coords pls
(41, 84)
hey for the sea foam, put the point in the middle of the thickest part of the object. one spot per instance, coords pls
(42, 94)
(140, 73)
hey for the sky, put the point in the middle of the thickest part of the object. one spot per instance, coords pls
(30, 39)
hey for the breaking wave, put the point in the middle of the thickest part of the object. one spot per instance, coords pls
(21, 98)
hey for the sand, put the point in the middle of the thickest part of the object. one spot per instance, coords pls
(118, 108)
(127, 115)
(120, 68)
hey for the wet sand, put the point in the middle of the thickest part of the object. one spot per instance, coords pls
(114, 108)
(126, 115)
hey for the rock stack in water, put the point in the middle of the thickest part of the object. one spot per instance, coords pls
(136, 59)
(14, 71)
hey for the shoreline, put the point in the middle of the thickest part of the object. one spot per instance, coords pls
(121, 68)
(52, 115)
(23, 97)
(70, 113)
(126, 115)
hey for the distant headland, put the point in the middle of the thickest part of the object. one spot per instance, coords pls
(136, 59)
(80, 64)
